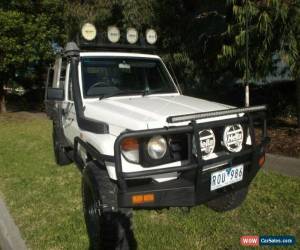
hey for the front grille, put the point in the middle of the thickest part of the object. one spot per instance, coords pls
(178, 145)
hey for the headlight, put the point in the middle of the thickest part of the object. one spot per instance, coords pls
(207, 142)
(157, 147)
(233, 138)
(130, 150)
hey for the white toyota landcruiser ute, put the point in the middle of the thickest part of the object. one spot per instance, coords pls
(138, 141)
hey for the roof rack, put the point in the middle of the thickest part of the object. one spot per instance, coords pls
(117, 47)
(112, 40)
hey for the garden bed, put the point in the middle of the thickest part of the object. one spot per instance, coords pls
(285, 137)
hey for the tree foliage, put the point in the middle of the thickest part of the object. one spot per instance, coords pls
(274, 29)
(28, 31)
(205, 40)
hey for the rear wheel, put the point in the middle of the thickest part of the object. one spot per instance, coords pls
(229, 201)
(108, 226)
(60, 153)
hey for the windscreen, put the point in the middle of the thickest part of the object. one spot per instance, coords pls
(104, 77)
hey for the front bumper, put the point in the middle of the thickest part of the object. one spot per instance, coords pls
(193, 185)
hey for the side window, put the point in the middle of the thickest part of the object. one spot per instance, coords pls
(70, 91)
(56, 73)
(62, 73)
(50, 77)
(49, 80)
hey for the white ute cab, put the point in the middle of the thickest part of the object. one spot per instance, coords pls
(138, 141)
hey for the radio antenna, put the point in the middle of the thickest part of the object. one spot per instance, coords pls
(247, 94)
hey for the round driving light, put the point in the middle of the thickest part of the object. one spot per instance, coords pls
(233, 138)
(88, 31)
(157, 147)
(207, 141)
(113, 34)
(132, 35)
(151, 36)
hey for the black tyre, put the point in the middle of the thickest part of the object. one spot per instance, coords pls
(60, 153)
(229, 201)
(108, 226)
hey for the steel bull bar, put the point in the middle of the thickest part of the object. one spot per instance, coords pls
(192, 187)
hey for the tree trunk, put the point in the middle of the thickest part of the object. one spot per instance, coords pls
(298, 100)
(2, 99)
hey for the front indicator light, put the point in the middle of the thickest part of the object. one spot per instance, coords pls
(142, 198)
(130, 144)
(130, 149)
(262, 160)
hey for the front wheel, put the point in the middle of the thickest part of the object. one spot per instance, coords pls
(108, 226)
(229, 201)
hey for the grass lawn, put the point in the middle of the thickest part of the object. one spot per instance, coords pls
(45, 201)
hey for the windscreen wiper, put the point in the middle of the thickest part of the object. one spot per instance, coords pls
(123, 92)
(135, 92)
(151, 92)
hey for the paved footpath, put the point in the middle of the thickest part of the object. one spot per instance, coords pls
(282, 164)
(10, 237)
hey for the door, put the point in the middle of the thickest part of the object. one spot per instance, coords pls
(49, 106)
(70, 125)
(55, 78)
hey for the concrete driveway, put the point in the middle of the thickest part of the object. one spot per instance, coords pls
(284, 165)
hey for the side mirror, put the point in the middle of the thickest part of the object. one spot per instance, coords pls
(55, 94)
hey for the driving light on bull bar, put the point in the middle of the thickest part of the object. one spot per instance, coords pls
(207, 142)
(88, 31)
(233, 138)
(113, 34)
(130, 149)
(157, 147)
(132, 35)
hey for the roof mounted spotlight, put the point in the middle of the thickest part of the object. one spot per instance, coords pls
(113, 34)
(151, 36)
(89, 32)
(92, 38)
(132, 35)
